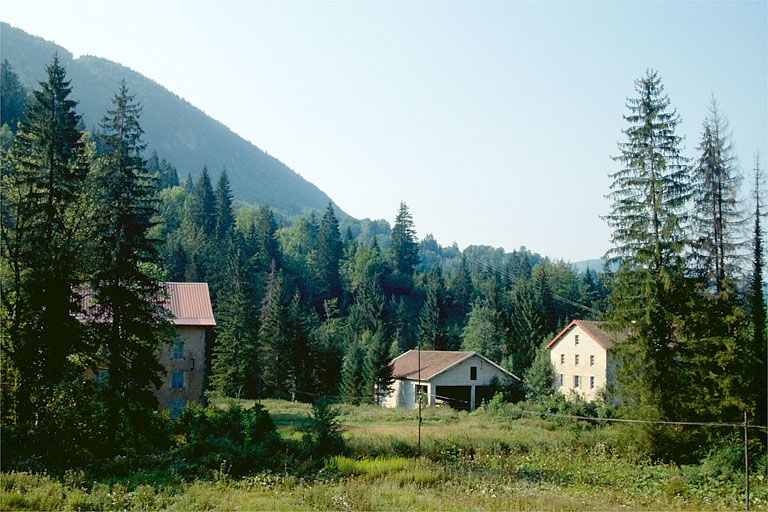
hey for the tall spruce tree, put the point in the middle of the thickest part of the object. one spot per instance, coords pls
(649, 194)
(127, 292)
(432, 332)
(329, 253)
(275, 354)
(403, 247)
(713, 351)
(12, 97)
(717, 216)
(44, 223)
(757, 355)
(234, 366)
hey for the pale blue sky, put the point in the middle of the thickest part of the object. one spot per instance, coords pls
(493, 121)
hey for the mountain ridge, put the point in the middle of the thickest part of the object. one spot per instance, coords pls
(181, 133)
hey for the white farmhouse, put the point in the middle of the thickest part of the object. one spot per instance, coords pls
(459, 379)
(582, 358)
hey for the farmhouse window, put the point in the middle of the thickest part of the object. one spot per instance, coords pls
(177, 350)
(473, 373)
(576, 359)
(577, 381)
(175, 406)
(592, 382)
(562, 380)
(576, 338)
(420, 390)
(591, 360)
(177, 380)
(562, 358)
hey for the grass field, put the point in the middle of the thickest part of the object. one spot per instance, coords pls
(478, 461)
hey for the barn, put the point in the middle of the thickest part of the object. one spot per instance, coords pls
(462, 380)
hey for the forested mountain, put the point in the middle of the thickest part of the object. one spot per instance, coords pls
(179, 132)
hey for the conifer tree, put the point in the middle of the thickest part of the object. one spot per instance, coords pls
(377, 373)
(433, 334)
(12, 97)
(126, 290)
(202, 204)
(649, 194)
(756, 356)
(329, 254)
(484, 331)
(275, 356)
(45, 215)
(234, 366)
(225, 218)
(718, 218)
(403, 248)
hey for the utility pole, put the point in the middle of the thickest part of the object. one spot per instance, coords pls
(418, 392)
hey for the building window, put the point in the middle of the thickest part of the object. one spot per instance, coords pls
(577, 381)
(591, 382)
(591, 360)
(562, 380)
(177, 349)
(576, 359)
(562, 358)
(473, 373)
(419, 391)
(174, 408)
(177, 380)
(576, 338)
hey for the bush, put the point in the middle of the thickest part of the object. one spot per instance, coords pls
(237, 441)
(322, 435)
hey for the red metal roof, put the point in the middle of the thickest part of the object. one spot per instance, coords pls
(190, 304)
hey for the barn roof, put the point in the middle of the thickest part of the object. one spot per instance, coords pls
(432, 363)
(595, 330)
(189, 304)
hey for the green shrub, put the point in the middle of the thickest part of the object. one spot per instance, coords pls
(237, 441)
(322, 435)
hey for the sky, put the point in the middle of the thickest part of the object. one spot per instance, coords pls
(495, 122)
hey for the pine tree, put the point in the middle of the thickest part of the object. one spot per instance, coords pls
(225, 218)
(275, 356)
(484, 331)
(713, 351)
(539, 379)
(433, 334)
(12, 97)
(329, 254)
(126, 290)
(367, 324)
(756, 356)
(377, 373)
(202, 204)
(403, 248)
(649, 195)
(718, 218)
(235, 356)
(45, 234)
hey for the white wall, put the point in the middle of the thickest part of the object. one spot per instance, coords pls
(563, 356)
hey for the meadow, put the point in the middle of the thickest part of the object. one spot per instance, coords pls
(491, 459)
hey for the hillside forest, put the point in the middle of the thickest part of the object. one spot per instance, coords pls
(306, 308)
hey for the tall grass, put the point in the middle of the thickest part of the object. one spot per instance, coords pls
(485, 460)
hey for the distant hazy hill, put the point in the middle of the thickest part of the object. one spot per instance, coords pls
(178, 131)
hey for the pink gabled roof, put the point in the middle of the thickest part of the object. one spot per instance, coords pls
(594, 330)
(432, 363)
(189, 304)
